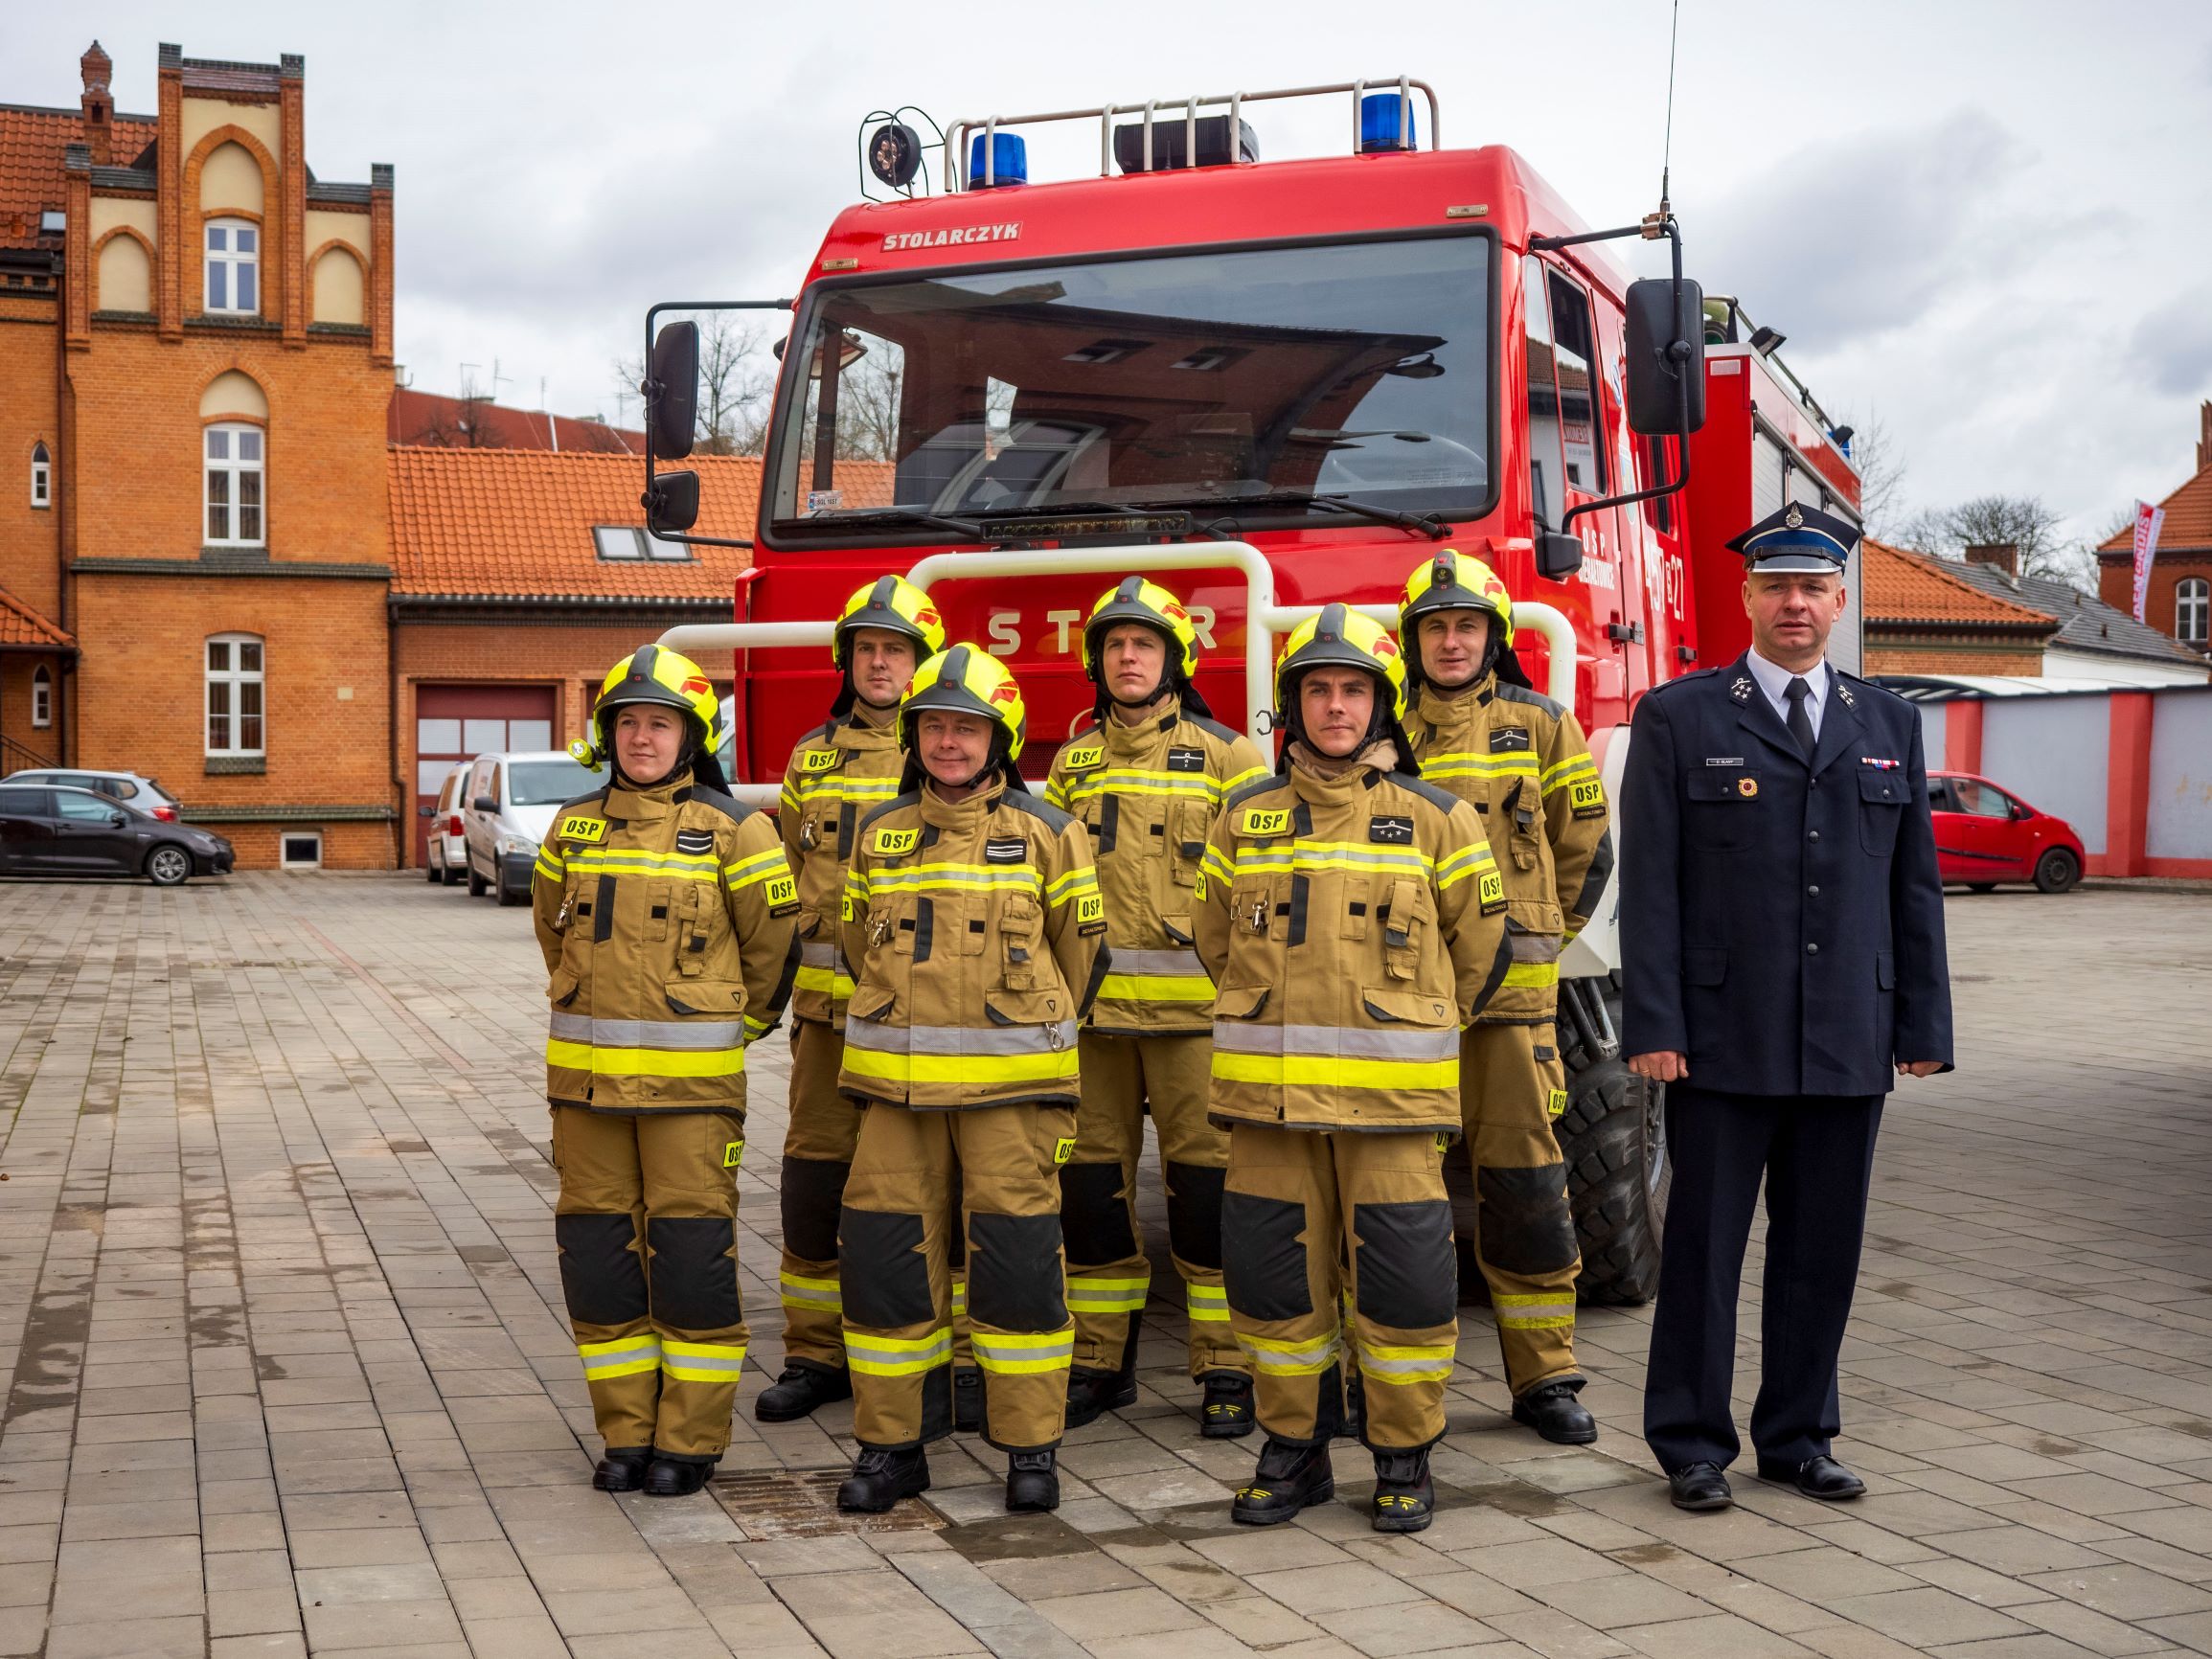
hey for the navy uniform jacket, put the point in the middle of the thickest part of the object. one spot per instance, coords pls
(1780, 924)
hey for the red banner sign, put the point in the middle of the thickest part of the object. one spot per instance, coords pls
(2148, 520)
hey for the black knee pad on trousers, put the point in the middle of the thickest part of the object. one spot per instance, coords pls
(694, 1276)
(1263, 1263)
(1525, 1223)
(602, 1278)
(1092, 1215)
(885, 1276)
(1194, 1213)
(1404, 1263)
(813, 1191)
(1013, 1277)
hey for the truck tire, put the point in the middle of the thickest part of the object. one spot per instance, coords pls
(1614, 1137)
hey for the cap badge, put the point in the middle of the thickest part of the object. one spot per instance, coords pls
(1746, 788)
(1795, 518)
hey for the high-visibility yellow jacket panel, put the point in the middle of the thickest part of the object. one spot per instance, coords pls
(665, 916)
(1148, 794)
(1352, 926)
(973, 929)
(839, 773)
(1521, 761)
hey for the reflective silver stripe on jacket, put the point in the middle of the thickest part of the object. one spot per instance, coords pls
(817, 955)
(702, 1036)
(955, 1040)
(1394, 1042)
(1157, 963)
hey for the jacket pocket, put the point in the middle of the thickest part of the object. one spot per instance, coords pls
(1358, 903)
(1252, 905)
(1048, 1008)
(561, 989)
(1722, 812)
(1881, 798)
(714, 998)
(1394, 1005)
(1178, 930)
(871, 1002)
(1020, 936)
(1405, 930)
(1241, 1001)
(1886, 970)
(1702, 966)
(1526, 825)
(1187, 825)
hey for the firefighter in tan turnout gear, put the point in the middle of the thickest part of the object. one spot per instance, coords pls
(665, 912)
(1147, 777)
(975, 925)
(1352, 921)
(839, 773)
(1521, 761)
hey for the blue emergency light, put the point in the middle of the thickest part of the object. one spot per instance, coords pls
(1381, 116)
(1009, 160)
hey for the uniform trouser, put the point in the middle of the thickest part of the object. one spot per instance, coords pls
(646, 1225)
(1303, 1209)
(1107, 1273)
(898, 1282)
(1816, 1155)
(825, 1125)
(1512, 1084)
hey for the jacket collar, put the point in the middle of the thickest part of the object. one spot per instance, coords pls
(1443, 712)
(1124, 740)
(1839, 723)
(645, 806)
(963, 814)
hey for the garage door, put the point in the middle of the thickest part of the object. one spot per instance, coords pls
(461, 723)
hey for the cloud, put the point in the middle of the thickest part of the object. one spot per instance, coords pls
(2171, 347)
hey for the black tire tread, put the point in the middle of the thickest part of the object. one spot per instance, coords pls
(1619, 1222)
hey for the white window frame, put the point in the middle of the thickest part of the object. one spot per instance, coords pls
(41, 696)
(235, 472)
(608, 541)
(2193, 605)
(235, 680)
(41, 476)
(284, 858)
(230, 260)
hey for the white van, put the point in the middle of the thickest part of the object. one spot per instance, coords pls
(511, 800)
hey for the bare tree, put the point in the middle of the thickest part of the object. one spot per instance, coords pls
(868, 405)
(737, 385)
(1880, 468)
(2021, 521)
(465, 427)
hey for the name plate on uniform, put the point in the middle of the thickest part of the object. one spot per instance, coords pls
(1508, 739)
(1391, 831)
(1084, 758)
(893, 842)
(582, 827)
(1186, 760)
(820, 759)
(1267, 820)
(1007, 852)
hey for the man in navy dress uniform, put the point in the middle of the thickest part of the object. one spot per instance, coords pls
(1783, 958)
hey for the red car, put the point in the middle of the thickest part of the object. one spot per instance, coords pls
(1984, 837)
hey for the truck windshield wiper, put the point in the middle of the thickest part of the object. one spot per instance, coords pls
(1419, 523)
(873, 517)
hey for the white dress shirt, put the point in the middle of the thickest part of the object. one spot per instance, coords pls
(1775, 680)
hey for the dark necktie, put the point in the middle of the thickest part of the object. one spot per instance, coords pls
(1799, 722)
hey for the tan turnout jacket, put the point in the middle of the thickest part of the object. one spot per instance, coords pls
(840, 772)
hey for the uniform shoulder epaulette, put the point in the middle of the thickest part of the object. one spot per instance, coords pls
(1869, 687)
(1021, 801)
(827, 729)
(1508, 693)
(596, 798)
(1442, 799)
(1257, 787)
(1682, 680)
(729, 807)
(1083, 735)
(1214, 728)
(891, 806)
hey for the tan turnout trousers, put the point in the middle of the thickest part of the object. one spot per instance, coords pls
(824, 1126)
(648, 1260)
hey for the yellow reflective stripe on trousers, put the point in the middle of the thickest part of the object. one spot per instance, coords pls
(702, 1361)
(1013, 1353)
(1206, 1304)
(617, 1062)
(623, 1356)
(1533, 973)
(1088, 1294)
(1291, 1358)
(1422, 1362)
(1546, 1313)
(801, 1291)
(898, 1355)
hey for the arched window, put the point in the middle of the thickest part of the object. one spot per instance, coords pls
(2193, 611)
(234, 259)
(233, 485)
(234, 694)
(41, 476)
(41, 695)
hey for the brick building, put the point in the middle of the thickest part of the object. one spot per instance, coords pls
(2179, 598)
(1924, 617)
(195, 364)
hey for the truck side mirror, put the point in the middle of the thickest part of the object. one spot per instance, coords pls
(1559, 555)
(1666, 357)
(672, 503)
(672, 391)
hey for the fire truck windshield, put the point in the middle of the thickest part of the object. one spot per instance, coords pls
(1356, 368)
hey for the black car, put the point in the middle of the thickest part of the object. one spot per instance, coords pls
(47, 830)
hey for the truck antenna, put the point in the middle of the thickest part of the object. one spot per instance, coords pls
(1667, 144)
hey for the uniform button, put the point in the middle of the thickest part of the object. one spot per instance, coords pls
(1815, 891)
(1812, 950)
(1814, 835)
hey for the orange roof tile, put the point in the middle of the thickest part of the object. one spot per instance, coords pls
(1904, 586)
(430, 417)
(21, 626)
(2188, 519)
(31, 180)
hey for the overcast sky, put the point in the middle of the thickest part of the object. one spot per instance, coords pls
(1985, 224)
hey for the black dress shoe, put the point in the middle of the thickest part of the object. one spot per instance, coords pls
(880, 1479)
(1090, 1394)
(799, 1390)
(1227, 1413)
(1700, 1487)
(967, 1399)
(622, 1469)
(1820, 1477)
(667, 1477)
(1287, 1478)
(1032, 1483)
(1404, 1497)
(1552, 1410)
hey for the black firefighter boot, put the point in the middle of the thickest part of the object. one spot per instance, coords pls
(1093, 1393)
(801, 1391)
(676, 1477)
(1404, 1497)
(623, 1469)
(1032, 1481)
(1551, 1409)
(1289, 1478)
(880, 1479)
(1228, 1411)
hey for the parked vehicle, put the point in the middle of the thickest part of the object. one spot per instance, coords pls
(510, 802)
(47, 830)
(448, 848)
(131, 788)
(1985, 835)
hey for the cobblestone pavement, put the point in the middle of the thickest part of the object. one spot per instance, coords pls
(288, 1371)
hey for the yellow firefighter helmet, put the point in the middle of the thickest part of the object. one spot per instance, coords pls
(1341, 637)
(895, 605)
(1139, 601)
(966, 680)
(669, 679)
(1453, 581)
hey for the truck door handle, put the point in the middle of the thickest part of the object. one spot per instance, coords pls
(1625, 631)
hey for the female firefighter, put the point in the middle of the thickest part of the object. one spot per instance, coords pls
(1353, 921)
(974, 926)
(1147, 777)
(839, 773)
(665, 912)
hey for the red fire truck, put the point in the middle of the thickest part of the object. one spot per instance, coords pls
(1273, 385)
